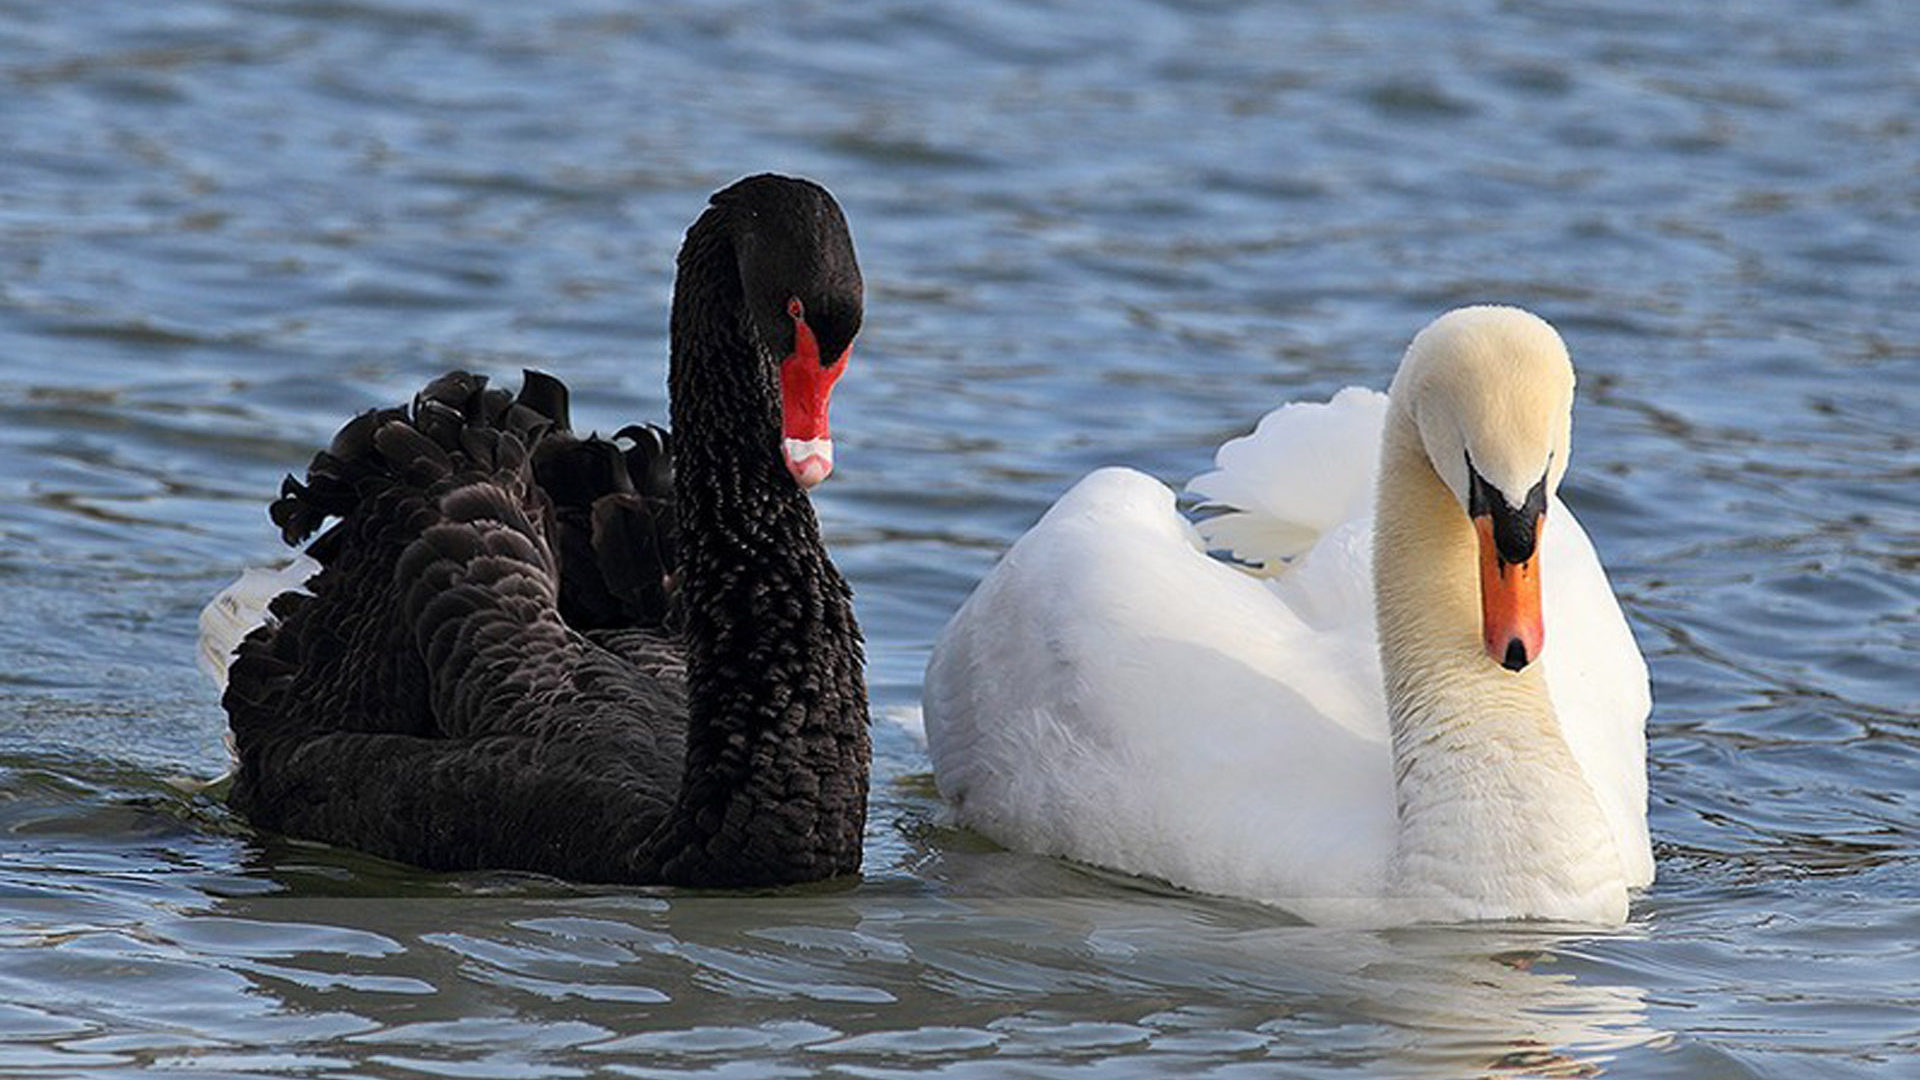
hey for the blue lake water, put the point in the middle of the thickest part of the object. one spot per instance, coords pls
(1093, 234)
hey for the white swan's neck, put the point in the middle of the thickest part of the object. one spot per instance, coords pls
(1496, 817)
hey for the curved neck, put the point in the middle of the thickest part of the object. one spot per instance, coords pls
(777, 744)
(1494, 810)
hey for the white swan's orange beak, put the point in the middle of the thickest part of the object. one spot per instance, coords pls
(1510, 621)
(806, 442)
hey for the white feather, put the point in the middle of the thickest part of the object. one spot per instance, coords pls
(241, 607)
(1112, 694)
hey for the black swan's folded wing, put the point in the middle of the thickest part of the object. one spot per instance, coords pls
(434, 698)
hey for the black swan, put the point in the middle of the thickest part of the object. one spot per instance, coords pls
(614, 661)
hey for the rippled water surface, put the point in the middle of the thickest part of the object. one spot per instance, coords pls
(1093, 233)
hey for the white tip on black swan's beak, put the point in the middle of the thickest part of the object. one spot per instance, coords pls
(1511, 625)
(809, 460)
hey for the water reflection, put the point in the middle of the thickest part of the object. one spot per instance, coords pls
(245, 954)
(920, 980)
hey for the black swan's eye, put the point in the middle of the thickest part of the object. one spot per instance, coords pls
(796, 310)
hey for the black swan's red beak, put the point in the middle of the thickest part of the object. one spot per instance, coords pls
(805, 386)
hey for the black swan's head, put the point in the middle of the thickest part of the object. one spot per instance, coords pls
(801, 287)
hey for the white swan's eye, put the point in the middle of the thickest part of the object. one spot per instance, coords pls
(796, 310)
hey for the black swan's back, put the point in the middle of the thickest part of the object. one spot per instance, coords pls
(625, 660)
(432, 652)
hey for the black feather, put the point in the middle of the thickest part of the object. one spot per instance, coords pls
(534, 650)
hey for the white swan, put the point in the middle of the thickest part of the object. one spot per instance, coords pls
(1112, 694)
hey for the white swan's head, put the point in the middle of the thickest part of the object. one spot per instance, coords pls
(1490, 390)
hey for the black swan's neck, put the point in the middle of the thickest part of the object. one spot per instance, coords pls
(775, 787)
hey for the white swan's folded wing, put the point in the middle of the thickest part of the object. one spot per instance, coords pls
(1306, 468)
(1111, 694)
(1598, 682)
